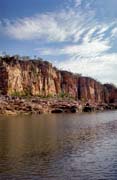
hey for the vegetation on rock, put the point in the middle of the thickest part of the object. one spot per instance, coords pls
(21, 76)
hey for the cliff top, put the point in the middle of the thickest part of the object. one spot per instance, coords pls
(37, 61)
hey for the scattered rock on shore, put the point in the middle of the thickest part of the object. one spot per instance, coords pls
(16, 105)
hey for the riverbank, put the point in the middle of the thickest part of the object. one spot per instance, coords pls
(12, 105)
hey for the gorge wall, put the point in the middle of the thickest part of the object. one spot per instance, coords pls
(36, 77)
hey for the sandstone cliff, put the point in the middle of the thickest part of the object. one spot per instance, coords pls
(112, 92)
(92, 91)
(28, 77)
(36, 77)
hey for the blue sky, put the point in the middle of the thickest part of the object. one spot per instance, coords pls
(76, 35)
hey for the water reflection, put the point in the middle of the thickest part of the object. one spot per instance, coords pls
(59, 147)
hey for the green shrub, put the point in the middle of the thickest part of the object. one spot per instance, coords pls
(15, 93)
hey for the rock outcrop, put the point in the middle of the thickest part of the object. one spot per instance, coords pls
(21, 105)
(112, 92)
(89, 90)
(12, 105)
(40, 78)
(29, 77)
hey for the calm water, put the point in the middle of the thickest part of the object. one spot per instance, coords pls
(59, 147)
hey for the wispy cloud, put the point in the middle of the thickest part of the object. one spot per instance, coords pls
(42, 26)
(103, 68)
(64, 25)
(56, 26)
(114, 32)
(87, 49)
(77, 2)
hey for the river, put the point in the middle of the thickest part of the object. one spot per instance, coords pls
(59, 147)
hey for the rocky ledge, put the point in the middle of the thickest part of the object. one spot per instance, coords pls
(12, 105)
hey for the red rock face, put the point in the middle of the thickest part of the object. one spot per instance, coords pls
(36, 77)
(112, 92)
(3, 79)
(29, 77)
(90, 90)
(69, 84)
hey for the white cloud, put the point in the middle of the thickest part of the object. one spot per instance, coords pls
(114, 32)
(86, 49)
(78, 2)
(102, 68)
(37, 27)
(61, 26)
(64, 25)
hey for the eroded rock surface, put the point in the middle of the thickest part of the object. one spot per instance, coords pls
(40, 78)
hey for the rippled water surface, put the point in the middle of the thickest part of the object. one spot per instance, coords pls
(59, 147)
